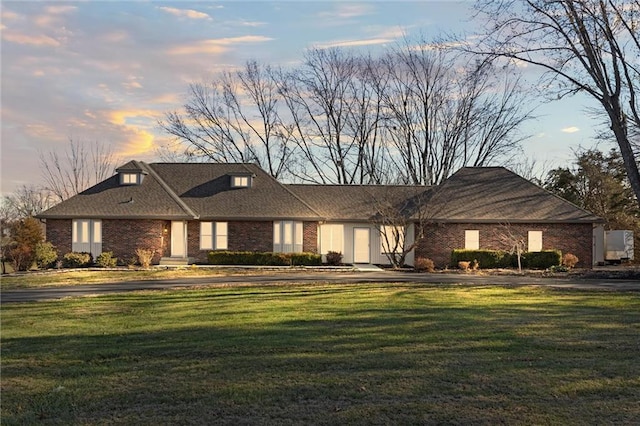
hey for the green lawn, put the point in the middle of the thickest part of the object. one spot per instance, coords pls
(325, 354)
(66, 277)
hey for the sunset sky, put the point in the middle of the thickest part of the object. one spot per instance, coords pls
(106, 71)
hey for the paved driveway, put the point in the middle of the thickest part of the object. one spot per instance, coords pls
(50, 293)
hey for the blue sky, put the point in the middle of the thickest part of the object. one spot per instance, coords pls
(106, 71)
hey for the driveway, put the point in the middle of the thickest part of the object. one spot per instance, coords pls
(52, 293)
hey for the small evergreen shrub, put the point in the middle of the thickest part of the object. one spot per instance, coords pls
(569, 260)
(145, 256)
(263, 258)
(76, 259)
(106, 260)
(424, 264)
(334, 258)
(541, 259)
(46, 255)
(489, 259)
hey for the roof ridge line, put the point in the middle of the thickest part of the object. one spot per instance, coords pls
(283, 186)
(169, 191)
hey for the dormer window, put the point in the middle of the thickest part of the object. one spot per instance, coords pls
(241, 181)
(131, 173)
(129, 178)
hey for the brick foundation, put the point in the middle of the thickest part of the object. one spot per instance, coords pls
(441, 239)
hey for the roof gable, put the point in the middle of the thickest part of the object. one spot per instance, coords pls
(495, 194)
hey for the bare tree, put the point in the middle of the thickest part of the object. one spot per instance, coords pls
(234, 119)
(80, 166)
(587, 46)
(444, 112)
(399, 210)
(512, 241)
(26, 201)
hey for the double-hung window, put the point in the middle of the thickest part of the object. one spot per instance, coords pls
(535, 241)
(213, 236)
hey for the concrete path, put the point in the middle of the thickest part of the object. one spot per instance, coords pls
(51, 293)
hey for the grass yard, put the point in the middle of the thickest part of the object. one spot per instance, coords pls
(65, 277)
(325, 354)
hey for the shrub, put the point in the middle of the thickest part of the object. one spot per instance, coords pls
(263, 258)
(76, 259)
(334, 258)
(464, 265)
(145, 256)
(569, 260)
(46, 255)
(106, 260)
(26, 235)
(304, 259)
(541, 259)
(424, 264)
(485, 258)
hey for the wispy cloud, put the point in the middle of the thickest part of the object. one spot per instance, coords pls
(185, 13)
(353, 43)
(347, 11)
(218, 45)
(32, 40)
(571, 129)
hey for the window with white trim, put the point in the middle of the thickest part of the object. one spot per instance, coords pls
(240, 181)
(391, 239)
(213, 236)
(129, 178)
(471, 239)
(287, 236)
(534, 241)
(331, 238)
(86, 236)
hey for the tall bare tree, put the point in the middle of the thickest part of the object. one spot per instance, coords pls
(587, 46)
(235, 118)
(445, 111)
(77, 168)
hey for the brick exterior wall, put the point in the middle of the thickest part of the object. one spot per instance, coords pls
(124, 236)
(58, 233)
(440, 239)
(120, 236)
(310, 237)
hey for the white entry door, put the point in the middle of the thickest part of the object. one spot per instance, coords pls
(361, 249)
(178, 239)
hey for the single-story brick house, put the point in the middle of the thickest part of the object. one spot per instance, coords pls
(185, 210)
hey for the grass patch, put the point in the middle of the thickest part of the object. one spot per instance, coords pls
(55, 278)
(324, 354)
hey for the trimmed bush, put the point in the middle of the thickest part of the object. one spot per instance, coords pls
(484, 258)
(424, 264)
(541, 259)
(334, 258)
(263, 258)
(106, 260)
(46, 255)
(77, 260)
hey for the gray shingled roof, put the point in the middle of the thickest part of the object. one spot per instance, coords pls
(186, 191)
(206, 188)
(203, 190)
(495, 194)
(356, 202)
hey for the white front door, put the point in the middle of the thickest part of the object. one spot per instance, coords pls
(361, 250)
(178, 239)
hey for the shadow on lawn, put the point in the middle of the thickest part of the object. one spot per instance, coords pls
(409, 359)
